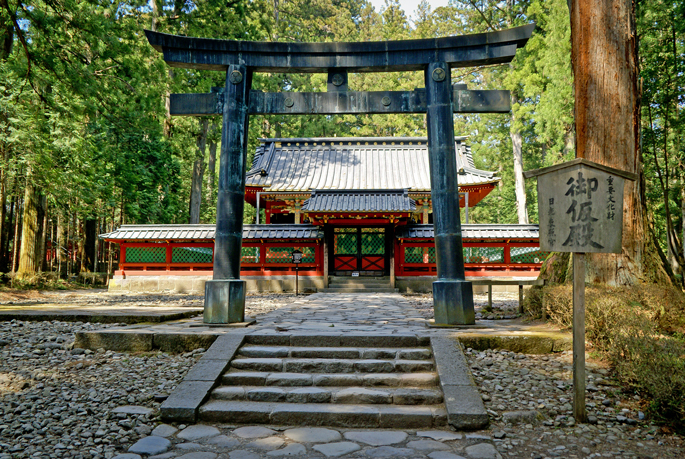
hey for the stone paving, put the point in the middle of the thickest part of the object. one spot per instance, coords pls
(53, 402)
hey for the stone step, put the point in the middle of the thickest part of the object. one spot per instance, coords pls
(365, 283)
(338, 339)
(257, 351)
(313, 365)
(339, 395)
(281, 379)
(359, 290)
(324, 414)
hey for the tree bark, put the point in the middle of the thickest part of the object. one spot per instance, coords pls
(89, 241)
(607, 104)
(61, 249)
(198, 172)
(519, 184)
(17, 235)
(29, 252)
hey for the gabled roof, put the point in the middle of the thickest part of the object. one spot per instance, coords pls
(206, 232)
(359, 201)
(338, 163)
(474, 231)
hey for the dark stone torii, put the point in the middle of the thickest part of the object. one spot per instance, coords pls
(452, 294)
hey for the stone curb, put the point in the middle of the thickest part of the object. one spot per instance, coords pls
(93, 317)
(183, 404)
(143, 340)
(465, 409)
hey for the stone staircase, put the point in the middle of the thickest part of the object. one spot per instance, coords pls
(353, 381)
(362, 284)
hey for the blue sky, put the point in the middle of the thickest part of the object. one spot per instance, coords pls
(409, 6)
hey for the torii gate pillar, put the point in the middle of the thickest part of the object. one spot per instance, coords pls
(225, 293)
(452, 294)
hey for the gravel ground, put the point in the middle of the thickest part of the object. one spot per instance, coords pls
(529, 399)
(59, 402)
(504, 305)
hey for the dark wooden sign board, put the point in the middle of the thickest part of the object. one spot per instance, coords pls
(439, 100)
(580, 206)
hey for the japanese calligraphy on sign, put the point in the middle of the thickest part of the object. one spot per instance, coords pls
(580, 204)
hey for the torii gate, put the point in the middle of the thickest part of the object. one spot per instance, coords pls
(452, 294)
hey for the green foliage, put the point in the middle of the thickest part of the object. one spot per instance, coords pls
(639, 330)
(661, 32)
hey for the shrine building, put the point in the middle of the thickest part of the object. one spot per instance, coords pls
(357, 208)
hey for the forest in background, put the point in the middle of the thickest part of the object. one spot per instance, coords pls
(86, 143)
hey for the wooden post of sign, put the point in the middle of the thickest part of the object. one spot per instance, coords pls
(580, 205)
(579, 412)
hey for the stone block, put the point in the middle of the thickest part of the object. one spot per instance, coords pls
(418, 379)
(319, 366)
(266, 394)
(374, 366)
(377, 438)
(224, 347)
(236, 412)
(184, 401)
(228, 393)
(336, 380)
(312, 435)
(268, 339)
(415, 354)
(405, 417)
(183, 285)
(465, 409)
(318, 340)
(326, 353)
(224, 301)
(288, 379)
(207, 370)
(308, 395)
(413, 366)
(258, 364)
(417, 397)
(367, 340)
(450, 362)
(134, 341)
(264, 351)
(325, 415)
(244, 378)
(379, 353)
(373, 379)
(182, 342)
(198, 285)
(453, 302)
(359, 395)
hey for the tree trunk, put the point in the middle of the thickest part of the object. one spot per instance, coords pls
(519, 184)
(29, 252)
(198, 172)
(17, 234)
(7, 231)
(607, 104)
(89, 241)
(42, 259)
(61, 249)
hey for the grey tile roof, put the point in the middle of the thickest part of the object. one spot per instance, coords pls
(359, 201)
(337, 163)
(474, 231)
(206, 232)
